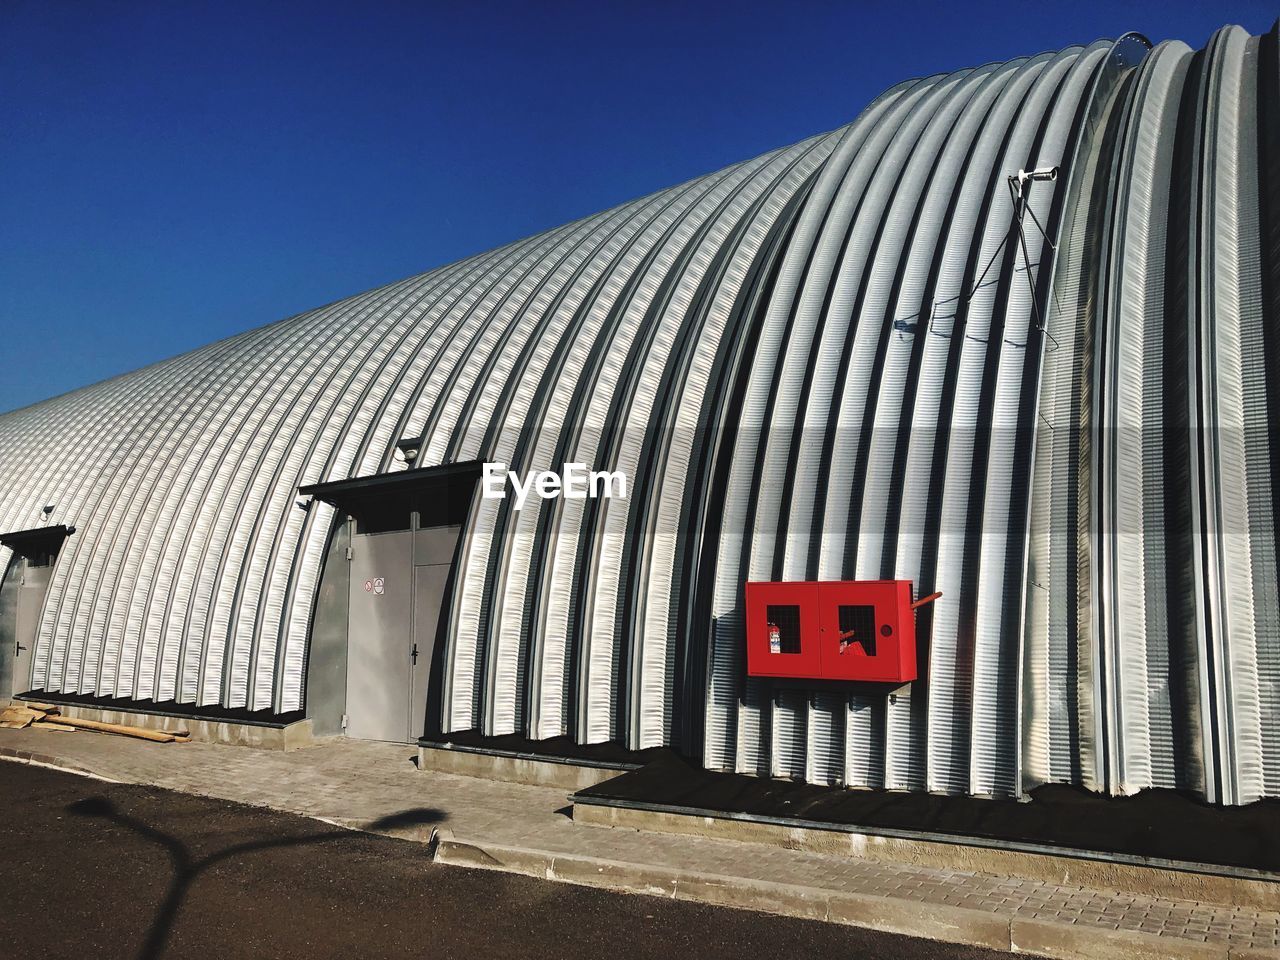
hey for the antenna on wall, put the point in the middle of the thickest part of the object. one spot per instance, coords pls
(1019, 187)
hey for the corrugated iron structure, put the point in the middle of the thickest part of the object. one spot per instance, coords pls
(1152, 646)
(859, 357)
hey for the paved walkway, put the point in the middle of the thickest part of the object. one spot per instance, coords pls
(528, 829)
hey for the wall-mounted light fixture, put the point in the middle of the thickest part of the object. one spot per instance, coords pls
(409, 449)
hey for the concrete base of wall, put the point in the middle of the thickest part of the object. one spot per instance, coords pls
(292, 736)
(1152, 879)
(534, 771)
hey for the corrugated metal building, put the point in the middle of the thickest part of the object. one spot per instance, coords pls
(862, 356)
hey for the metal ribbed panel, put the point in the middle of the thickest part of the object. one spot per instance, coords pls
(1263, 364)
(824, 745)
(789, 742)
(1173, 557)
(1134, 552)
(632, 371)
(1059, 723)
(1011, 419)
(734, 718)
(958, 750)
(1226, 534)
(836, 356)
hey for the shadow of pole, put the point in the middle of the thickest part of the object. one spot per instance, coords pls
(186, 869)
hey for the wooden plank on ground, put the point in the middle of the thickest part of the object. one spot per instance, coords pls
(158, 736)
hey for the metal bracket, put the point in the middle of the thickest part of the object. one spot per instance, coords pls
(1019, 186)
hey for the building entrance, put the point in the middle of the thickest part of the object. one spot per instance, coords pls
(398, 581)
(401, 532)
(23, 587)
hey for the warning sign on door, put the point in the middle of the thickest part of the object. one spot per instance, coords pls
(368, 586)
(379, 586)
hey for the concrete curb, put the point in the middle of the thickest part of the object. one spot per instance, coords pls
(959, 925)
(46, 760)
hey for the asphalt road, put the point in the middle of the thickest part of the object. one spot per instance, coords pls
(104, 870)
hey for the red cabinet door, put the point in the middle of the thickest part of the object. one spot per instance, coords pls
(866, 631)
(790, 609)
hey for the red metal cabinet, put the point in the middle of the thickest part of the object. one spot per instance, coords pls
(839, 630)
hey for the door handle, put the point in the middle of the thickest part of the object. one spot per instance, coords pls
(414, 654)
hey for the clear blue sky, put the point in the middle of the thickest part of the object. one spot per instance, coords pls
(175, 172)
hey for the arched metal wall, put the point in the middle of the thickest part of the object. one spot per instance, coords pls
(807, 370)
(887, 425)
(1153, 631)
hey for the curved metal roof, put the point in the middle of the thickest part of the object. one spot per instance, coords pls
(826, 362)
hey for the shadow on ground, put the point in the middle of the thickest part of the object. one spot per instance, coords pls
(186, 869)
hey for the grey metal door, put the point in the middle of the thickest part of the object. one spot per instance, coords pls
(35, 581)
(432, 561)
(380, 636)
(428, 592)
